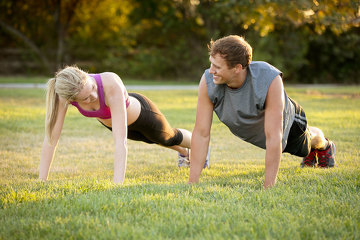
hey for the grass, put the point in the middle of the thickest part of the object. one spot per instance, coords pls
(80, 202)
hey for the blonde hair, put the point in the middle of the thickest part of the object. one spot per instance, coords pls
(66, 84)
(234, 49)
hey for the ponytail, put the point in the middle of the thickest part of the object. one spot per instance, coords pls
(52, 105)
(67, 83)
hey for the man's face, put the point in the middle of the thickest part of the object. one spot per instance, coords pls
(218, 67)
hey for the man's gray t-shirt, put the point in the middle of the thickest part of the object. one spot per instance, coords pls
(242, 110)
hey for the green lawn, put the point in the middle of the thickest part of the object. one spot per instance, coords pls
(80, 202)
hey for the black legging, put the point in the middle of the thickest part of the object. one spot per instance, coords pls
(151, 125)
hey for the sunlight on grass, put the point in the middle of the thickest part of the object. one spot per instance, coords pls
(155, 201)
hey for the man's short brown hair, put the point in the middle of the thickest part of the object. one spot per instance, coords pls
(234, 49)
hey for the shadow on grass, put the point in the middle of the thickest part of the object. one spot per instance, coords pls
(164, 181)
(149, 180)
(230, 202)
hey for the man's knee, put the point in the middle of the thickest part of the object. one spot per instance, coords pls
(318, 142)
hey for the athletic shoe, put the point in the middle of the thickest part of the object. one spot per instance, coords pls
(309, 160)
(207, 160)
(183, 161)
(326, 158)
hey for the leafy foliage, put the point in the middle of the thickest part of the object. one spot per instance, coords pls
(167, 39)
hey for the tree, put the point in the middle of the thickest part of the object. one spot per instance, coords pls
(168, 38)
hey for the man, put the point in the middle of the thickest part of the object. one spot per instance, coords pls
(249, 98)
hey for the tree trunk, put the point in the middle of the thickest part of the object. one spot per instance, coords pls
(29, 43)
(60, 34)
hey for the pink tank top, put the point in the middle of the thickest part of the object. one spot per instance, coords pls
(104, 111)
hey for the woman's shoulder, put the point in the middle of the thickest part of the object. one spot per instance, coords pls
(111, 79)
(112, 84)
(63, 103)
(109, 76)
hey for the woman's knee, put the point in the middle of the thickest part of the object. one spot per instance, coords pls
(169, 140)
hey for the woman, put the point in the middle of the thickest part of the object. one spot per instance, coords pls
(104, 97)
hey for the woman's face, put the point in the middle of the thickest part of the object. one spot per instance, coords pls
(89, 92)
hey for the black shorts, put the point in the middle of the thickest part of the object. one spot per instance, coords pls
(152, 126)
(299, 139)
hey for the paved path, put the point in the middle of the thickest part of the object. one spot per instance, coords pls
(129, 87)
(160, 87)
